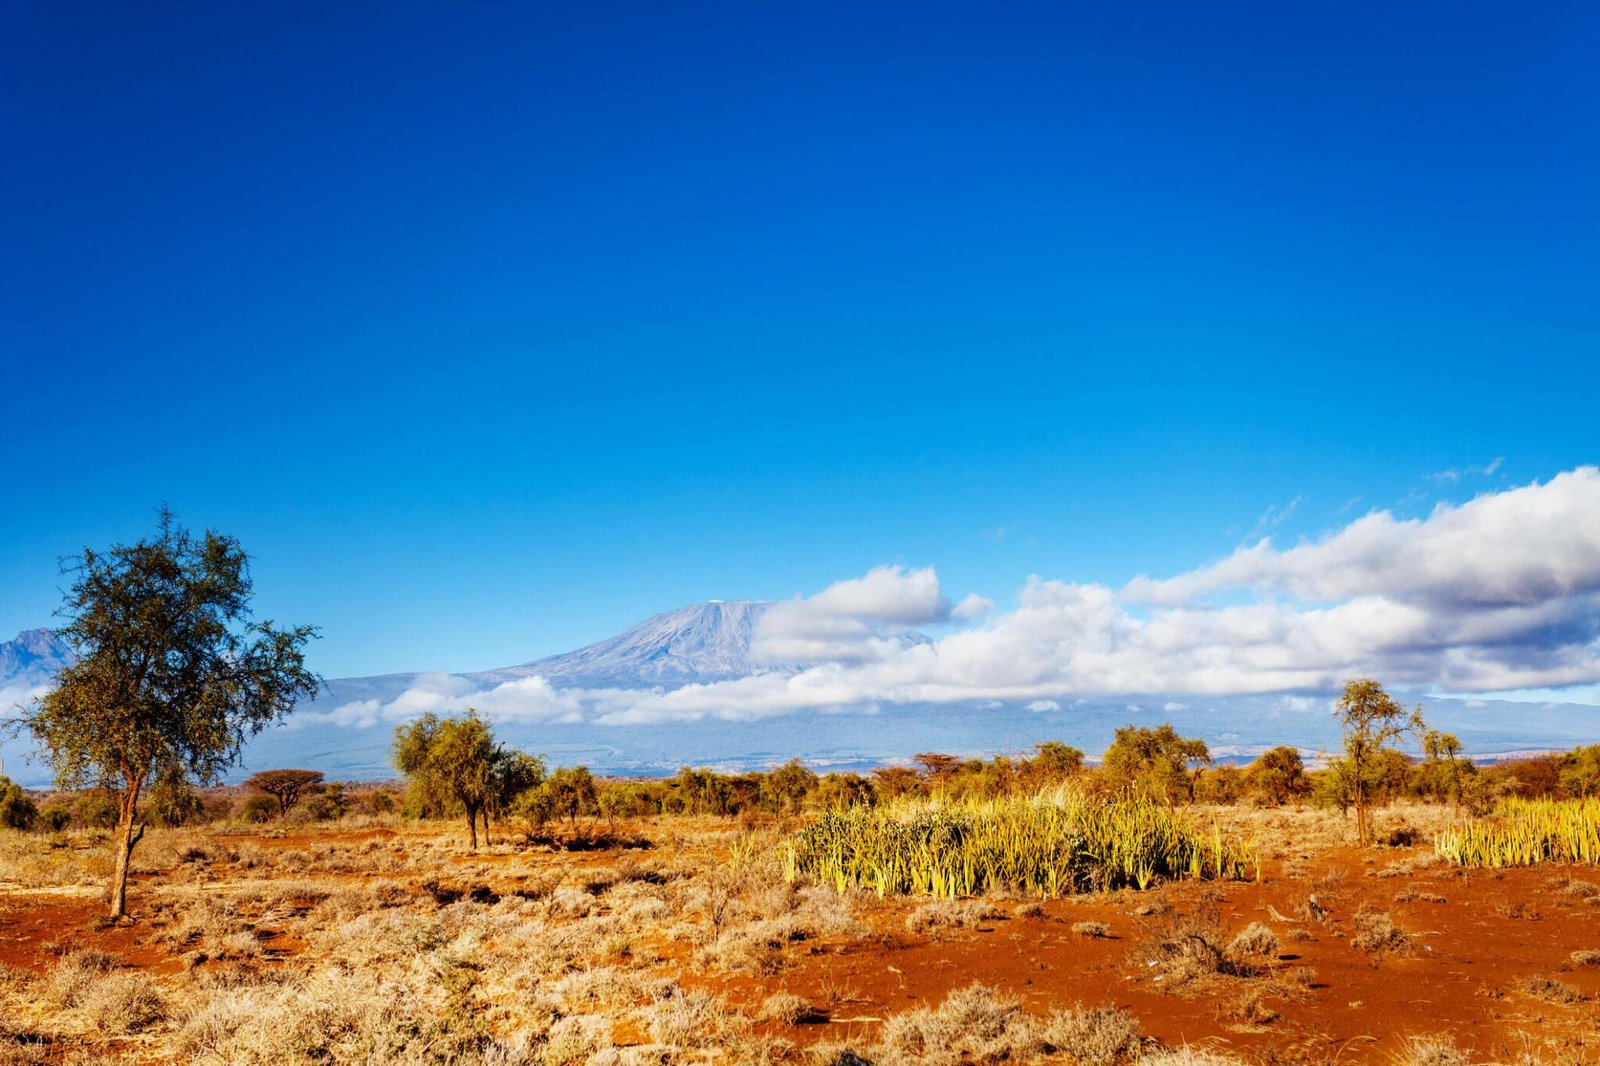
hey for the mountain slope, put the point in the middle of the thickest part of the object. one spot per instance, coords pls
(698, 643)
(32, 659)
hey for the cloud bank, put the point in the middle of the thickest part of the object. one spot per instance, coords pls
(1499, 593)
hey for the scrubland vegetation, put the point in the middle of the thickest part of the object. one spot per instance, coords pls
(950, 911)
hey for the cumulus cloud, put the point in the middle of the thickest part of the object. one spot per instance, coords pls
(855, 621)
(1499, 593)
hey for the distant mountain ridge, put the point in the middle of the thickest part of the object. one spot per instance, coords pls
(33, 658)
(710, 642)
(698, 643)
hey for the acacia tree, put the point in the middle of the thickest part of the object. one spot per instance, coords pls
(171, 676)
(1371, 720)
(1157, 760)
(454, 760)
(286, 786)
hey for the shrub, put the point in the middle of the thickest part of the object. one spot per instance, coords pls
(1104, 1036)
(17, 811)
(55, 817)
(1376, 934)
(1256, 939)
(97, 809)
(258, 810)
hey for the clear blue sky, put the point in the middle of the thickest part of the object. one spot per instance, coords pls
(491, 328)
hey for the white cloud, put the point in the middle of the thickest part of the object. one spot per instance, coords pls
(971, 608)
(1499, 593)
(854, 621)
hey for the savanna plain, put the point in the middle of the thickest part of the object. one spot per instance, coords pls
(1032, 909)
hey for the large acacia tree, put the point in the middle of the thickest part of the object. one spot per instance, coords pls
(172, 673)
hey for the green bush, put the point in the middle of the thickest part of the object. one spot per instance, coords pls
(329, 805)
(55, 817)
(174, 802)
(97, 810)
(258, 809)
(17, 811)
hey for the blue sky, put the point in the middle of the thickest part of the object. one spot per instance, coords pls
(490, 329)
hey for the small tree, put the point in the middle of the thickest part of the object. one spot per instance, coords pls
(286, 786)
(1445, 772)
(1157, 760)
(1277, 776)
(1053, 761)
(786, 787)
(453, 759)
(17, 811)
(571, 791)
(171, 674)
(1371, 720)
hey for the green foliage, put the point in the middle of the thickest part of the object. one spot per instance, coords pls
(97, 809)
(1048, 846)
(1222, 785)
(258, 810)
(17, 811)
(571, 791)
(1157, 761)
(171, 672)
(1277, 776)
(452, 762)
(55, 817)
(380, 801)
(173, 800)
(1580, 772)
(785, 788)
(1371, 720)
(840, 792)
(170, 668)
(330, 804)
(1527, 832)
(1052, 763)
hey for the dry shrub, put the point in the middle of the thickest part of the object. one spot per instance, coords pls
(1581, 889)
(1431, 1051)
(1028, 910)
(1248, 1008)
(77, 972)
(947, 914)
(691, 1019)
(1188, 949)
(1376, 934)
(123, 1002)
(1550, 990)
(1092, 930)
(1188, 1056)
(1103, 1036)
(574, 1040)
(972, 1026)
(1256, 939)
(1586, 957)
(786, 1008)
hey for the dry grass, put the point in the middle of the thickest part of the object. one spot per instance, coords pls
(408, 949)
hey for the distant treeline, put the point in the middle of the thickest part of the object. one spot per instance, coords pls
(516, 790)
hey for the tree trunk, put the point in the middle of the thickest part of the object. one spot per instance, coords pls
(472, 826)
(125, 840)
